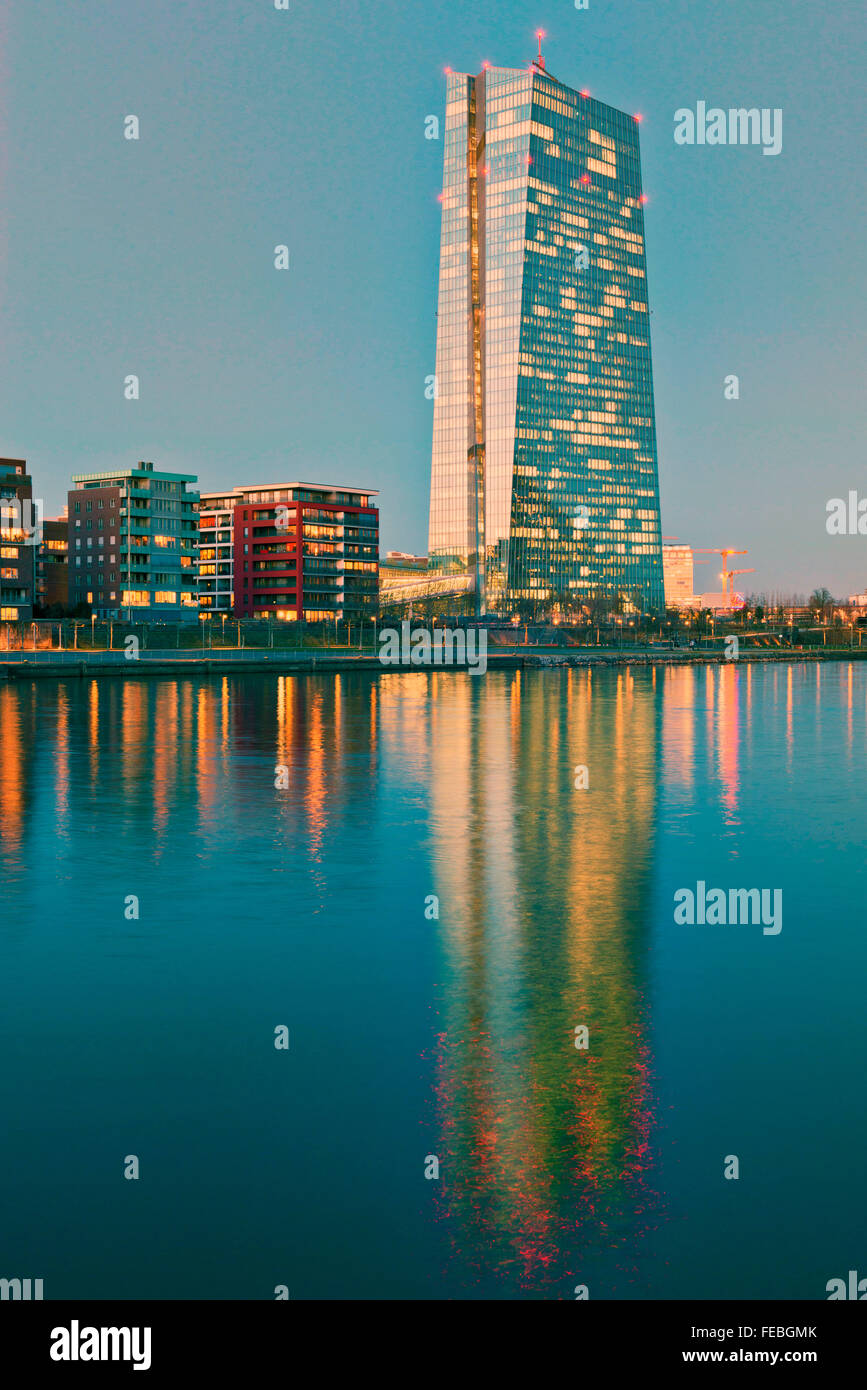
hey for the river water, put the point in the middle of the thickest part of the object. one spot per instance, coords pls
(400, 870)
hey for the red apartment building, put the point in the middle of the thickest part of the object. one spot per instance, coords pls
(290, 551)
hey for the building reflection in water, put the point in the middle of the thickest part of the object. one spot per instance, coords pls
(182, 758)
(544, 891)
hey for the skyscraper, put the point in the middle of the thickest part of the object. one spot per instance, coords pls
(544, 479)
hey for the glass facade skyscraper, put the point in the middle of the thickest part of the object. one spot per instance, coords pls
(544, 471)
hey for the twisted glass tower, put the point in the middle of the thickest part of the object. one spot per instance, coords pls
(544, 485)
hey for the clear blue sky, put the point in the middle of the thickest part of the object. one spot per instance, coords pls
(306, 127)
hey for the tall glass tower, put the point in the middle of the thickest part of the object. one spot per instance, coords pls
(544, 485)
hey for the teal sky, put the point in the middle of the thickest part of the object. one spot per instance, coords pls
(306, 127)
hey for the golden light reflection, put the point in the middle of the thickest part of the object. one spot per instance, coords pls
(679, 725)
(12, 770)
(543, 893)
(727, 738)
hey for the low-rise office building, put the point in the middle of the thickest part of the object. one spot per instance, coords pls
(133, 543)
(52, 569)
(678, 576)
(289, 551)
(19, 542)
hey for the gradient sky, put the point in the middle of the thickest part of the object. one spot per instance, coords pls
(306, 127)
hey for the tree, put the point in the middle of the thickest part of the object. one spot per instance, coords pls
(821, 601)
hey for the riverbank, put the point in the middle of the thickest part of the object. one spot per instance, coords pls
(62, 665)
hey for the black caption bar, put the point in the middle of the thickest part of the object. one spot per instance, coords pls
(152, 1339)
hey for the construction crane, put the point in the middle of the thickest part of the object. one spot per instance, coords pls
(727, 574)
(732, 574)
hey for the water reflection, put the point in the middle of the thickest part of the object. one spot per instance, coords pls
(398, 786)
(544, 891)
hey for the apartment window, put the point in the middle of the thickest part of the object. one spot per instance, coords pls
(78, 506)
(89, 506)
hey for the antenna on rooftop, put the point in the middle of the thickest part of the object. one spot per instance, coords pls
(540, 61)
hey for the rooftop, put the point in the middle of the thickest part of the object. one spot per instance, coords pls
(279, 487)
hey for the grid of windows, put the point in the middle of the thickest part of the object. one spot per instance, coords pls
(544, 448)
(148, 555)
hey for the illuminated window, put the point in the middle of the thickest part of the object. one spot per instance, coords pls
(8, 615)
(165, 596)
(134, 598)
